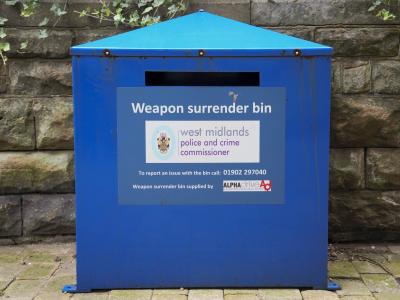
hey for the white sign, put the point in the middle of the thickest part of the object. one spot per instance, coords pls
(202, 141)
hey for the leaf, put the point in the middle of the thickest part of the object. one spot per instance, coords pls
(157, 3)
(5, 47)
(147, 10)
(3, 21)
(43, 34)
(11, 2)
(44, 22)
(23, 45)
(2, 33)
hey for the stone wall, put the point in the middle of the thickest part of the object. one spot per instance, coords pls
(36, 130)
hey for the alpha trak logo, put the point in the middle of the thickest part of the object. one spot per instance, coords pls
(263, 185)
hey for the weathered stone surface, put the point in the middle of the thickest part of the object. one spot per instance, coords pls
(392, 295)
(306, 33)
(356, 77)
(103, 296)
(130, 294)
(48, 214)
(342, 269)
(365, 121)
(360, 41)
(88, 35)
(240, 292)
(378, 283)
(23, 289)
(383, 168)
(3, 77)
(23, 172)
(10, 216)
(234, 9)
(346, 168)
(40, 77)
(37, 271)
(336, 76)
(315, 12)
(206, 295)
(56, 45)
(365, 267)
(319, 295)
(54, 123)
(241, 297)
(386, 77)
(280, 294)
(364, 215)
(16, 124)
(352, 287)
(170, 297)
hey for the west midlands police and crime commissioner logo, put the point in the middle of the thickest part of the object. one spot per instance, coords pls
(163, 142)
(247, 185)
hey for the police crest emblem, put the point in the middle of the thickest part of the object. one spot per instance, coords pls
(163, 141)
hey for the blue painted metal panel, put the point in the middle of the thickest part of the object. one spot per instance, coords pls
(218, 36)
(244, 245)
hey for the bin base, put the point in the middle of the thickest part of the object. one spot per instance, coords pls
(72, 289)
(333, 286)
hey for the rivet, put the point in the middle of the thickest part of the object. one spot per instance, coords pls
(107, 52)
(297, 52)
(202, 52)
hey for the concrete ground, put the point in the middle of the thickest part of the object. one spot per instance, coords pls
(39, 271)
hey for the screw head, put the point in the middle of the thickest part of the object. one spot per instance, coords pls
(107, 52)
(297, 52)
(202, 52)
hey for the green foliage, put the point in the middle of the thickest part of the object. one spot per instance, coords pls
(127, 13)
(382, 9)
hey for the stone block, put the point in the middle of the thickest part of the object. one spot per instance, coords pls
(56, 45)
(356, 77)
(241, 297)
(365, 121)
(364, 215)
(279, 294)
(383, 168)
(386, 77)
(360, 41)
(169, 297)
(130, 294)
(54, 123)
(206, 294)
(40, 77)
(10, 216)
(366, 267)
(17, 131)
(319, 295)
(37, 271)
(392, 295)
(23, 289)
(3, 78)
(302, 32)
(233, 9)
(336, 76)
(346, 168)
(24, 172)
(82, 36)
(316, 12)
(48, 214)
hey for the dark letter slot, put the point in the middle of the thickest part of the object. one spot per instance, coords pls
(202, 78)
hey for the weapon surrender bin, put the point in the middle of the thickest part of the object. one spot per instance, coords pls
(202, 150)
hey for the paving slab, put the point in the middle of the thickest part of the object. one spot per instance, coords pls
(366, 267)
(394, 268)
(241, 297)
(93, 296)
(342, 269)
(357, 298)
(10, 270)
(394, 249)
(387, 296)
(169, 297)
(352, 287)
(206, 294)
(38, 271)
(36, 256)
(279, 294)
(319, 295)
(10, 254)
(23, 289)
(170, 292)
(240, 292)
(130, 294)
(378, 283)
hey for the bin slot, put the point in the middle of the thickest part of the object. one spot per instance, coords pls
(202, 78)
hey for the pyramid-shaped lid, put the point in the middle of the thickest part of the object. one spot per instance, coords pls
(217, 36)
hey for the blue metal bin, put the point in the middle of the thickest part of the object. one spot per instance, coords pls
(201, 152)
